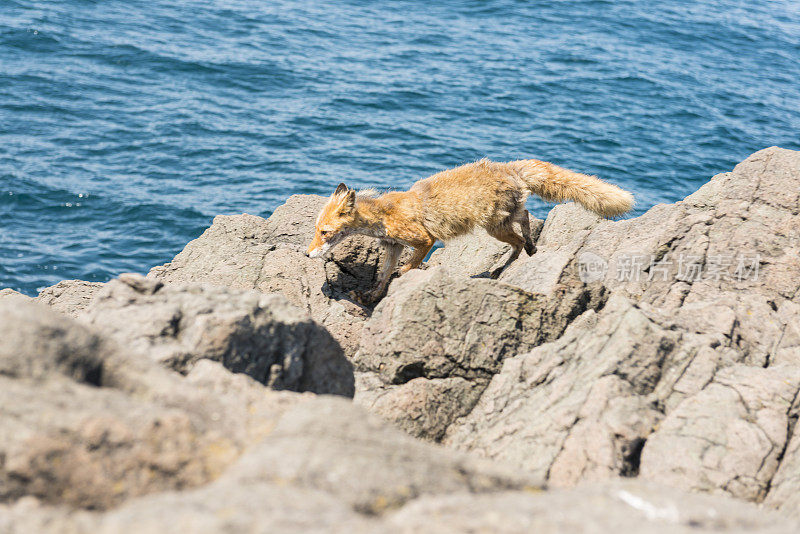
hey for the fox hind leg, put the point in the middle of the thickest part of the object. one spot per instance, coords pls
(507, 234)
(521, 218)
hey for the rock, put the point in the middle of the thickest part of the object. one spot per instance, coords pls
(257, 508)
(730, 435)
(566, 223)
(69, 297)
(729, 251)
(10, 295)
(435, 325)
(232, 252)
(342, 450)
(88, 426)
(784, 489)
(35, 347)
(435, 341)
(477, 254)
(248, 252)
(617, 506)
(422, 407)
(583, 407)
(594, 365)
(261, 335)
(304, 282)
(229, 254)
(327, 461)
(576, 408)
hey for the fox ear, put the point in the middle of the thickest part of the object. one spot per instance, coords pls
(340, 190)
(349, 203)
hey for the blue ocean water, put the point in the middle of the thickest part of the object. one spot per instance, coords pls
(126, 125)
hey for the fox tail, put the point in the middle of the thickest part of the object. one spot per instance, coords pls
(556, 184)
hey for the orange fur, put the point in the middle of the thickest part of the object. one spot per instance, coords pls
(487, 194)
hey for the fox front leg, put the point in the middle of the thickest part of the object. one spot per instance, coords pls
(391, 255)
(419, 254)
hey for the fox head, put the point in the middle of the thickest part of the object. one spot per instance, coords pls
(334, 222)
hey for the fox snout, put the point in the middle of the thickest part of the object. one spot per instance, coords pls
(318, 248)
(315, 253)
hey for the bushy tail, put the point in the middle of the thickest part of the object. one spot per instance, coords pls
(556, 184)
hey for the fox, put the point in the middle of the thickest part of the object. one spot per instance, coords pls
(451, 203)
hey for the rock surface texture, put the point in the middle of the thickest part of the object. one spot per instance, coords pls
(261, 335)
(640, 375)
(70, 297)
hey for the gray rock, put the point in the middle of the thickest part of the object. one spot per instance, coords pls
(325, 464)
(261, 335)
(582, 407)
(422, 407)
(784, 488)
(232, 252)
(263, 507)
(338, 448)
(88, 426)
(728, 437)
(36, 346)
(9, 294)
(435, 341)
(304, 282)
(229, 254)
(558, 371)
(566, 223)
(69, 297)
(618, 506)
(722, 261)
(576, 408)
(436, 325)
(259, 508)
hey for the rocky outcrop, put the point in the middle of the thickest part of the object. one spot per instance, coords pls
(230, 507)
(632, 375)
(731, 434)
(576, 408)
(88, 426)
(724, 260)
(11, 295)
(661, 312)
(249, 252)
(69, 297)
(679, 339)
(261, 335)
(436, 325)
(132, 428)
(433, 343)
(618, 506)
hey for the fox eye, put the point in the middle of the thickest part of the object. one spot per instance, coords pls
(326, 233)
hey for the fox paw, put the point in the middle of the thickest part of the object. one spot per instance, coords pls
(495, 274)
(530, 248)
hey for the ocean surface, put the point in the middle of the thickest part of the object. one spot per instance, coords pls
(127, 125)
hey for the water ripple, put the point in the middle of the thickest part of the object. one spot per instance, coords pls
(126, 126)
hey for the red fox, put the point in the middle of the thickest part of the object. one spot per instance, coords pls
(451, 203)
